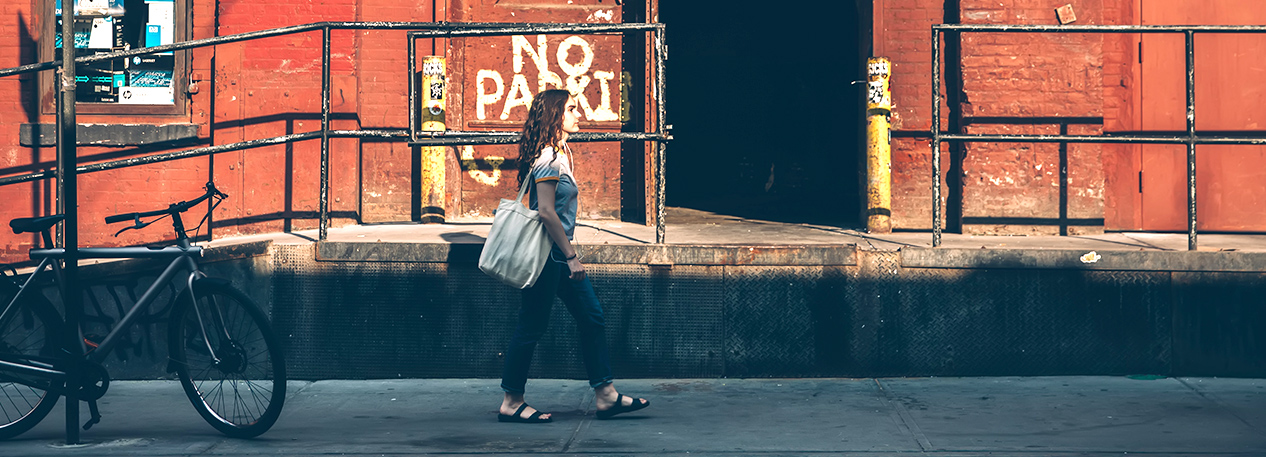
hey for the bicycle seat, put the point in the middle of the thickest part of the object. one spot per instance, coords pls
(35, 224)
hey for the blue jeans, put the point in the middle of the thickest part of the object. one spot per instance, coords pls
(534, 319)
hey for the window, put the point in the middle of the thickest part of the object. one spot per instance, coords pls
(149, 84)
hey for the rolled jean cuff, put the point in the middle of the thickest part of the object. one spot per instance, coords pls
(603, 382)
(513, 391)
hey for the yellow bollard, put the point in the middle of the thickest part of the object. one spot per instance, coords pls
(433, 192)
(878, 147)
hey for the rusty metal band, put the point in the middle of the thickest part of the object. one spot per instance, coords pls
(936, 137)
(661, 126)
(1118, 139)
(1191, 139)
(454, 30)
(493, 29)
(209, 150)
(324, 224)
(1099, 28)
(480, 138)
(446, 139)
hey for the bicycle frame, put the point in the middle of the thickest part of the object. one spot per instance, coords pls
(182, 255)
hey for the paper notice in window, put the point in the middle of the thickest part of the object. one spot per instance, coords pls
(162, 13)
(92, 7)
(102, 34)
(131, 95)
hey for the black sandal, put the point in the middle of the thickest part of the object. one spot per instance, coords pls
(535, 418)
(619, 407)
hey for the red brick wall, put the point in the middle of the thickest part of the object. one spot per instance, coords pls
(903, 34)
(267, 88)
(272, 87)
(1033, 83)
(1052, 76)
(102, 193)
(18, 105)
(389, 166)
(262, 88)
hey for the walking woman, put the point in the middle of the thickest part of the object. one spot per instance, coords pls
(545, 158)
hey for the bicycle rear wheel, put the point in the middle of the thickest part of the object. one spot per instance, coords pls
(32, 329)
(233, 372)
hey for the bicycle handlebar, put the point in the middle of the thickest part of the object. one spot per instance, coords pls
(174, 208)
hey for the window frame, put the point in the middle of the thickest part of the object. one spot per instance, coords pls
(180, 73)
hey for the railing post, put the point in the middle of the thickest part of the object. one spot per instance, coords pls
(1191, 140)
(936, 137)
(324, 229)
(661, 127)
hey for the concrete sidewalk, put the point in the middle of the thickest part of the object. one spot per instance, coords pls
(871, 417)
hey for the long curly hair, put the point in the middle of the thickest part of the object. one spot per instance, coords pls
(543, 128)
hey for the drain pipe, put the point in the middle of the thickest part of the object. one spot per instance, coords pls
(878, 146)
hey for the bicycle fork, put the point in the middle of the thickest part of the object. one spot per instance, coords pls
(213, 312)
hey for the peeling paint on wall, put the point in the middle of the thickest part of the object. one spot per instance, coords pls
(601, 15)
(468, 163)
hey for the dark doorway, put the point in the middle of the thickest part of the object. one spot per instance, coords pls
(766, 120)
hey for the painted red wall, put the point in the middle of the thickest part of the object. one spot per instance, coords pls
(903, 34)
(18, 105)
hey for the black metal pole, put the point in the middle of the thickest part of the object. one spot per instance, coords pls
(325, 134)
(936, 138)
(67, 157)
(1191, 140)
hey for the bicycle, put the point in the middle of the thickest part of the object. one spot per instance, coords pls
(220, 344)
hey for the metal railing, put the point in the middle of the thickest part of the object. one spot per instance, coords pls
(419, 30)
(1191, 139)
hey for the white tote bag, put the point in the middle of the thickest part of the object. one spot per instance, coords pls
(517, 245)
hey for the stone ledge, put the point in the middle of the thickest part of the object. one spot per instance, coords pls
(110, 134)
(1065, 259)
(804, 255)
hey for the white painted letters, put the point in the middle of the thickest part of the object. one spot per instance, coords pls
(574, 56)
(520, 95)
(486, 98)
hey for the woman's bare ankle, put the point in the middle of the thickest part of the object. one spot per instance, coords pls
(511, 402)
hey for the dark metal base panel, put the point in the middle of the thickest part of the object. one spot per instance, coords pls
(876, 316)
(375, 319)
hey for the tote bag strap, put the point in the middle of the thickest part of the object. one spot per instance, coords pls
(524, 188)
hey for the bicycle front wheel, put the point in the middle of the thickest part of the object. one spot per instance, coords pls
(29, 330)
(228, 359)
